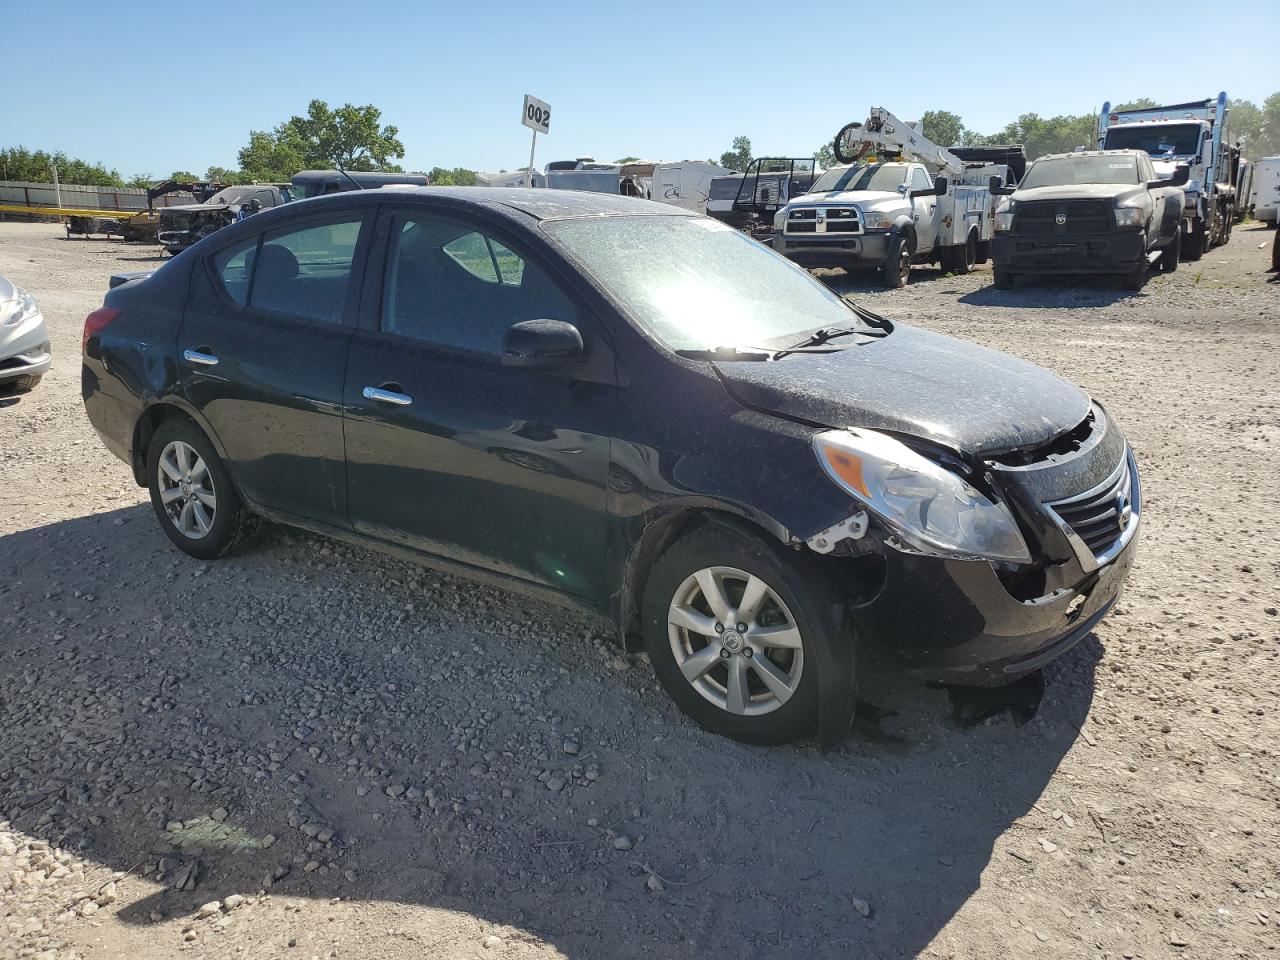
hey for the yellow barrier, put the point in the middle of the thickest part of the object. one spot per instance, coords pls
(69, 212)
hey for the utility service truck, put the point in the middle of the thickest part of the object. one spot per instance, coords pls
(1192, 134)
(897, 199)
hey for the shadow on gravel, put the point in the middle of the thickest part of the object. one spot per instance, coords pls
(162, 715)
(1056, 292)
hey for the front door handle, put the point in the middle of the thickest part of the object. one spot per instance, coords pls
(203, 359)
(387, 396)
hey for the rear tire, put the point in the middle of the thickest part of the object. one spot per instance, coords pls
(965, 256)
(984, 252)
(1193, 242)
(760, 685)
(897, 264)
(192, 494)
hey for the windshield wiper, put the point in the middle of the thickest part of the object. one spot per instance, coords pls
(815, 339)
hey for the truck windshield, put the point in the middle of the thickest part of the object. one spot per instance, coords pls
(231, 195)
(696, 284)
(862, 176)
(1063, 171)
(1158, 140)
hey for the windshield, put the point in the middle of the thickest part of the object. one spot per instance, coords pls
(1063, 171)
(231, 195)
(697, 284)
(1169, 140)
(862, 176)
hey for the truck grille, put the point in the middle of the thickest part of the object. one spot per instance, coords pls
(1100, 515)
(824, 220)
(1039, 218)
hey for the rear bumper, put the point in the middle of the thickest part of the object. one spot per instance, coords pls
(833, 250)
(1103, 253)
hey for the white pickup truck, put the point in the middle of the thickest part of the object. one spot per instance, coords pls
(889, 214)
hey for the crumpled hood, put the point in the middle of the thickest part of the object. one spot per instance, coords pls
(950, 391)
(197, 208)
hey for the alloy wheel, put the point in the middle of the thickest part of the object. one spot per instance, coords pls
(186, 490)
(735, 641)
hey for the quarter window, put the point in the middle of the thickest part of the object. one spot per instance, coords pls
(457, 287)
(233, 265)
(305, 273)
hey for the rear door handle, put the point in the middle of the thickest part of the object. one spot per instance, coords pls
(387, 396)
(203, 359)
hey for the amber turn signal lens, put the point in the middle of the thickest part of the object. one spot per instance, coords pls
(847, 467)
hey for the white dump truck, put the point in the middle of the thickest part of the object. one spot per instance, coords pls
(1191, 134)
(897, 199)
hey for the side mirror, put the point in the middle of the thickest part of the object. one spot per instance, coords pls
(903, 188)
(997, 189)
(255, 204)
(941, 186)
(541, 344)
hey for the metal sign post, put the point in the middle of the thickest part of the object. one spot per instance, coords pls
(536, 115)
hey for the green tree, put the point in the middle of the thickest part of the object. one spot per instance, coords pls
(1142, 103)
(457, 177)
(223, 175)
(142, 180)
(1041, 135)
(1269, 134)
(825, 156)
(184, 176)
(36, 166)
(349, 138)
(628, 160)
(739, 158)
(942, 127)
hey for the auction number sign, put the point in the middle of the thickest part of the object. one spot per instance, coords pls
(536, 114)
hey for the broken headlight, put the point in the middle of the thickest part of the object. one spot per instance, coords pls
(930, 508)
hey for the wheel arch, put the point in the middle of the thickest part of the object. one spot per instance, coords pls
(661, 532)
(149, 421)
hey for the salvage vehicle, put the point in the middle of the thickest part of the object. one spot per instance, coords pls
(181, 226)
(1089, 212)
(25, 353)
(634, 410)
(1264, 192)
(898, 200)
(1193, 135)
(749, 201)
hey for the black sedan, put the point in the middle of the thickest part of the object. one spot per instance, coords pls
(631, 409)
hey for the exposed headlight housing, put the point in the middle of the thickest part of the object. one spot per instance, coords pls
(1130, 218)
(1004, 221)
(927, 506)
(26, 309)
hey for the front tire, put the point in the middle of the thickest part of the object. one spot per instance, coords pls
(1193, 242)
(192, 495)
(1135, 279)
(1003, 279)
(897, 264)
(23, 384)
(1172, 254)
(758, 685)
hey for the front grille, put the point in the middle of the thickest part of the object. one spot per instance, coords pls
(1100, 515)
(1039, 218)
(803, 214)
(824, 220)
(809, 227)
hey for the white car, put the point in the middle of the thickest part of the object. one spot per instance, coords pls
(25, 354)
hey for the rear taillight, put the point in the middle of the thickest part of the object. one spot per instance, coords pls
(95, 323)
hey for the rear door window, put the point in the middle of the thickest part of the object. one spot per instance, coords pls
(306, 272)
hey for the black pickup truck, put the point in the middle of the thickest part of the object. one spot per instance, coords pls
(1092, 212)
(181, 226)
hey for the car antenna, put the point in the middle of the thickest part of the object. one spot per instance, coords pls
(350, 177)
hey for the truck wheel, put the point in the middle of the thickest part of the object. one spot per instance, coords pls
(1135, 279)
(965, 256)
(1171, 254)
(1193, 242)
(897, 264)
(1003, 279)
(983, 253)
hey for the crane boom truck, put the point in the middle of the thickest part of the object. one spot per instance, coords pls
(1192, 134)
(898, 199)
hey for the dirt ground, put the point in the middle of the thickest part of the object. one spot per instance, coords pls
(359, 758)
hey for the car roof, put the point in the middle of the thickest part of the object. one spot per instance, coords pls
(535, 203)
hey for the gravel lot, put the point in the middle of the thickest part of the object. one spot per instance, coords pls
(314, 751)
